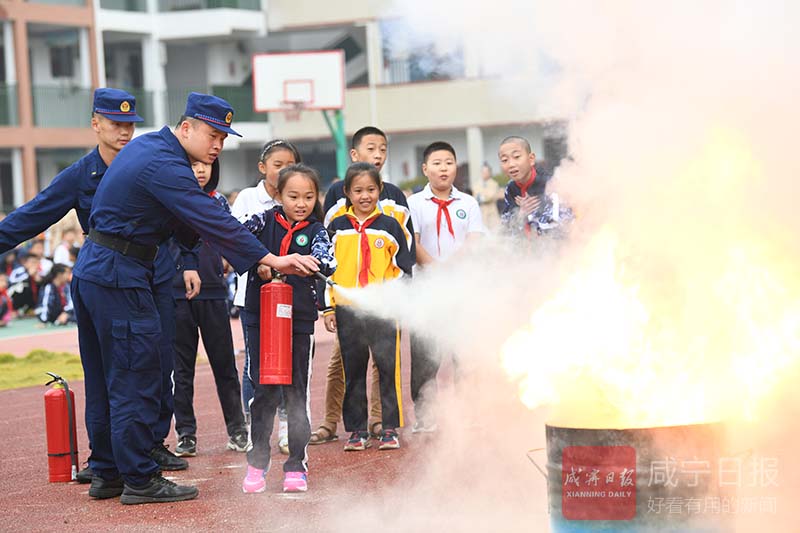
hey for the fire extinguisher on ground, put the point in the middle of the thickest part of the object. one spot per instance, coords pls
(276, 333)
(62, 441)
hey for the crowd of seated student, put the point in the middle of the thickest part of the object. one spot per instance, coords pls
(35, 284)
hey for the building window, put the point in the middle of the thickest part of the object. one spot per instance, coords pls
(555, 150)
(410, 56)
(62, 61)
(6, 187)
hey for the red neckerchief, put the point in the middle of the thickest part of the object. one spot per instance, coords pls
(443, 209)
(62, 296)
(290, 230)
(34, 289)
(523, 189)
(366, 252)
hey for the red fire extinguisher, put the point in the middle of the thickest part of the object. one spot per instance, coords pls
(62, 440)
(276, 333)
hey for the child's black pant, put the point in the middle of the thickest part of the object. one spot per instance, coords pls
(267, 398)
(211, 317)
(357, 335)
(425, 363)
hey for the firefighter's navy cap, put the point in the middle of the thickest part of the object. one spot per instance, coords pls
(116, 105)
(212, 110)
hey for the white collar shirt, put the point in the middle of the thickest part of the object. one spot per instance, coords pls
(465, 216)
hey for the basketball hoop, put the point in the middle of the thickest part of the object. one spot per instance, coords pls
(292, 110)
(313, 79)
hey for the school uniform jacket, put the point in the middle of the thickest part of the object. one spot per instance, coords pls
(310, 240)
(537, 188)
(250, 201)
(389, 255)
(213, 284)
(23, 290)
(391, 202)
(53, 302)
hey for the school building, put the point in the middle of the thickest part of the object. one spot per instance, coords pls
(56, 51)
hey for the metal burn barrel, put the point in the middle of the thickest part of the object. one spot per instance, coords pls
(644, 479)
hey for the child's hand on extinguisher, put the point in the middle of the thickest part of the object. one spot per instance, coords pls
(264, 272)
(330, 322)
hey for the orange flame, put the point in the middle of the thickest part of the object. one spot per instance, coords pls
(652, 327)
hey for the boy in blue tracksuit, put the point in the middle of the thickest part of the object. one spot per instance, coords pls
(208, 312)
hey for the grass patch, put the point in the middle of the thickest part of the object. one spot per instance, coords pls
(16, 372)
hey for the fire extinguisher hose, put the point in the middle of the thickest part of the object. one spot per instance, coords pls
(325, 278)
(73, 453)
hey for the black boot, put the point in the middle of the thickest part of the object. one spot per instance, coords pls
(102, 489)
(158, 490)
(166, 459)
(84, 476)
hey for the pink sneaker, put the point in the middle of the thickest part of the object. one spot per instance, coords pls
(295, 482)
(254, 481)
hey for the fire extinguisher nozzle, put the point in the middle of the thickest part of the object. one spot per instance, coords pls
(325, 278)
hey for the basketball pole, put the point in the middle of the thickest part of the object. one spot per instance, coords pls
(340, 139)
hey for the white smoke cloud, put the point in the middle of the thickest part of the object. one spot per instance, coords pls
(681, 125)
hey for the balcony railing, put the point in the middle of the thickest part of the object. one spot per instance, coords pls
(61, 107)
(416, 69)
(240, 98)
(185, 5)
(144, 106)
(64, 107)
(8, 105)
(59, 2)
(125, 5)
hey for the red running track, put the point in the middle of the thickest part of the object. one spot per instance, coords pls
(367, 490)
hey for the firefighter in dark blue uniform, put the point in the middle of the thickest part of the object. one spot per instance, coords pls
(74, 186)
(147, 195)
(113, 118)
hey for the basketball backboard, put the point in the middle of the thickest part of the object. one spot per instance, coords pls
(298, 80)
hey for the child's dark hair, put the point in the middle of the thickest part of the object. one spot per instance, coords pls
(363, 132)
(435, 147)
(311, 174)
(57, 269)
(279, 144)
(519, 140)
(355, 170)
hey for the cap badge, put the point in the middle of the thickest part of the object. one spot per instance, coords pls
(228, 117)
(125, 106)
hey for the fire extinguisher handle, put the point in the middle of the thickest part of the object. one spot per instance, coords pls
(56, 379)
